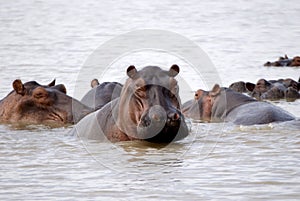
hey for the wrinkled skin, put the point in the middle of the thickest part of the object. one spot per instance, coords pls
(32, 103)
(274, 89)
(285, 61)
(223, 104)
(148, 109)
(101, 94)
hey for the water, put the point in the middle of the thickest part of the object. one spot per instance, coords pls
(42, 40)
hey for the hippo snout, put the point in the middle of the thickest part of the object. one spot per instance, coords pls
(158, 116)
(158, 125)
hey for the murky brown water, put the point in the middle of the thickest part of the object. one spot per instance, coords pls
(42, 40)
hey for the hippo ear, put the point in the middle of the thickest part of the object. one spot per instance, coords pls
(60, 87)
(51, 84)
(174, 70)
(215, 90)
(19, 87)
(249, 86)
(131, 71)
(41, 96)
(199, 93)
(94, 83)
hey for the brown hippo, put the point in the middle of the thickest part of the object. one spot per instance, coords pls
(274, 89)
(148, 109)
(32, 103)
(223, 104)
(295, 61)
(101, 94)
(284, 61)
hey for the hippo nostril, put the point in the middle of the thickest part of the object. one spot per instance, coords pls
(174, 116)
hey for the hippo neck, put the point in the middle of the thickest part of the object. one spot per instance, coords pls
(226, 101)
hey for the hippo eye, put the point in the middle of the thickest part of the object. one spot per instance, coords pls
(174, 90)
(139, 89)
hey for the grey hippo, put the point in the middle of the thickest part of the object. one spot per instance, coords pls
(287, 89)
(101, 94)
(285, 61)
(223, 104)
(148, 109)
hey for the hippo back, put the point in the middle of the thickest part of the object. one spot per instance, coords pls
(226, 101)
(258, 113)
(98, 96)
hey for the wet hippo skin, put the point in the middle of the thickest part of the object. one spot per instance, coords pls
(148, 109)
(274, 89)
(287, 89)
(101, 94)
(32, 103)
(285, 61)
(223, 104)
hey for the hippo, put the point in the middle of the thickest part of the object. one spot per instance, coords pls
(284, 61)
(32, 103)
(223, 104)
(292, 94)
(148, 109)
(101, 94)
(274, 89)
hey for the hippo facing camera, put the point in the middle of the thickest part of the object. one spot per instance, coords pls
(148, 109)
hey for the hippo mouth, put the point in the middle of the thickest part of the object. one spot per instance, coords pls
(162, 127)
(56, 117)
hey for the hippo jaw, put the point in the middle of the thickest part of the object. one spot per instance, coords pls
(31, 113)
(162, 127)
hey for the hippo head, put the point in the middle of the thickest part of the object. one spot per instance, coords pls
(291, 94)
(288, 82)
(203, 105)
(257, 90)
(274, 93)
(150, 105)
(295, 61)
(32, 103)
(239, 86)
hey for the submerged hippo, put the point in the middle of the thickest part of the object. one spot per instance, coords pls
(32, 103)
(101, 94)
(284, 61)
(148, 109)
(239, 86)
(223, 104)
(274, 89)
